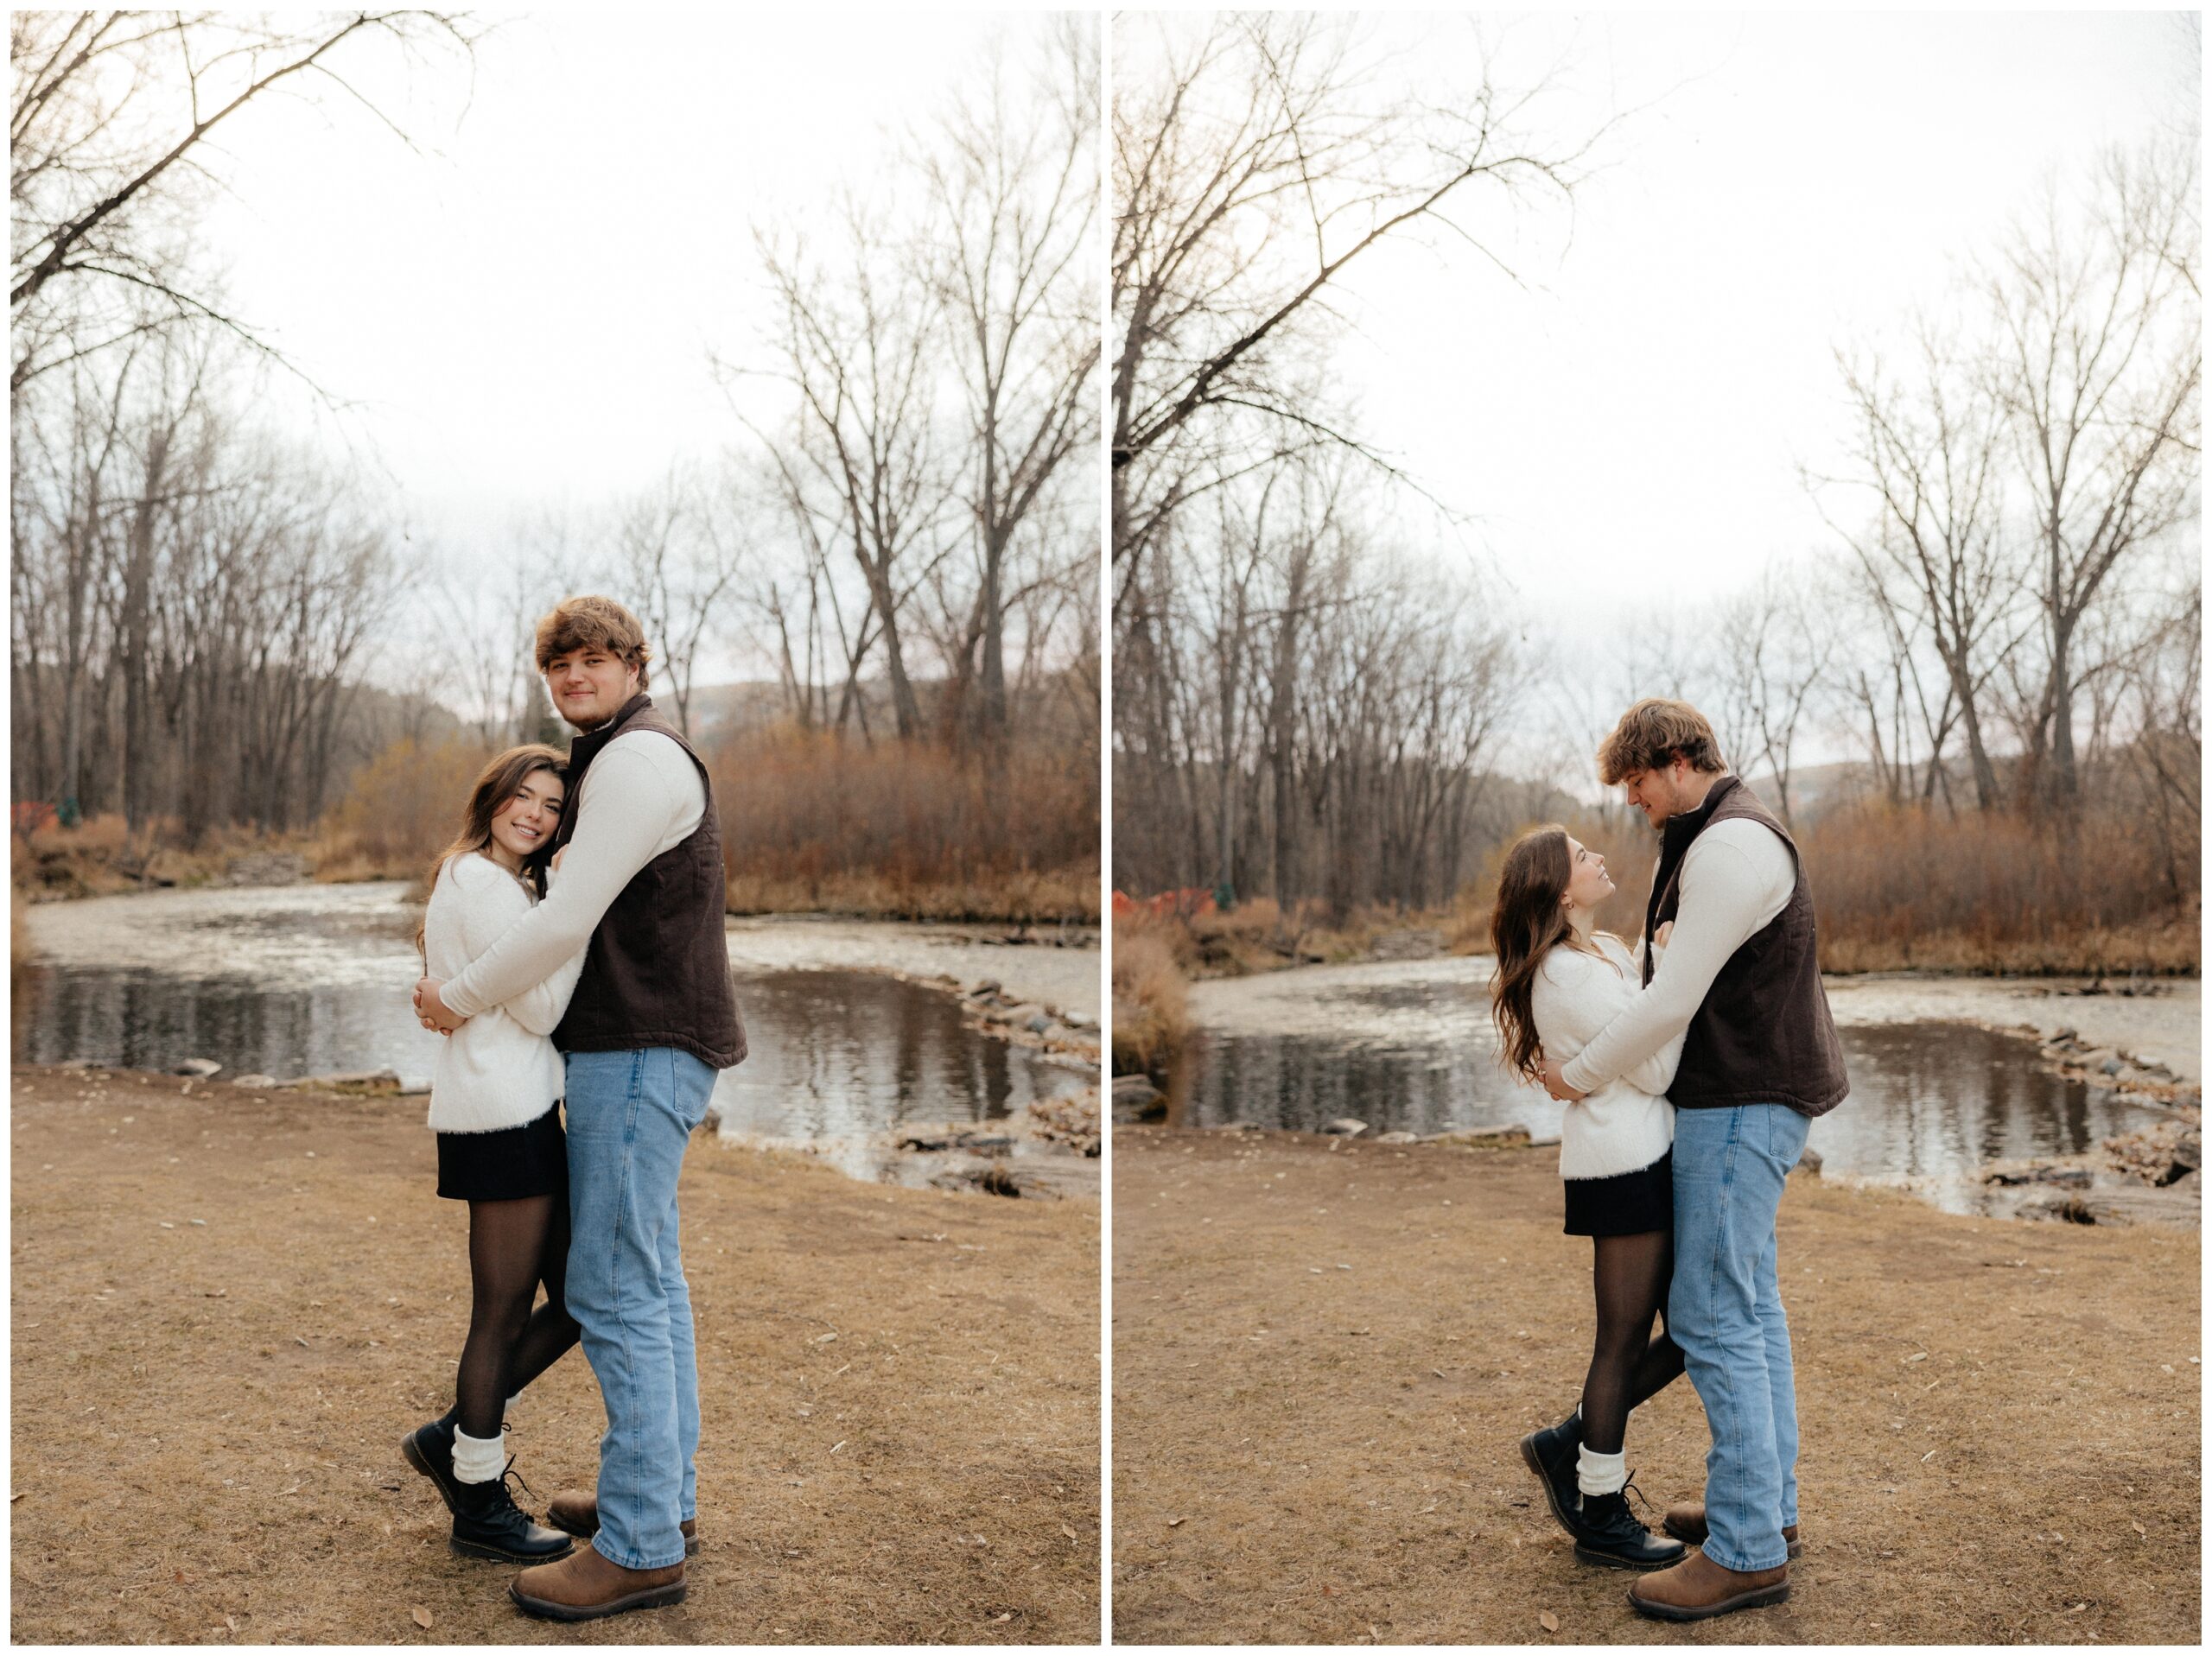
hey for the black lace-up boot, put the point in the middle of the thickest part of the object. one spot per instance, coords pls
(487, 1523)
(1607, 1532)
(1551, 1455)
(429, 1449)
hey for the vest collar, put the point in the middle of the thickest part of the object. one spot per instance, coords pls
(1676, 832)
(584, 746)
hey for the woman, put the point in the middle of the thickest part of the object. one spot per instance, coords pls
(495, 1105)
(1558, 982)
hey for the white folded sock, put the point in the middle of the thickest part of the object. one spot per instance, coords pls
(1600, 1475)
(478, 1460)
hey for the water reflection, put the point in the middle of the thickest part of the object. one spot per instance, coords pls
(834, 1054)
(1927, 1099)
(838, 1053)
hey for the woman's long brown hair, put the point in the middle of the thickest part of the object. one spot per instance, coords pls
(1527, 923)
(495, 784)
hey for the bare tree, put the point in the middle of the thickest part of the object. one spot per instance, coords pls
(1929, 451)
(1777, 642)
(1013, 180)
(678, 551)
(1252, 172)
(114, 141)
(2097, 359)
(857, 343)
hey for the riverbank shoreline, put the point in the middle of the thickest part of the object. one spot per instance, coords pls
(229, 1304)
(1326, 1352)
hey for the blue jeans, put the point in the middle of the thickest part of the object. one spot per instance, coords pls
(1725, 1310)
(630, 1116)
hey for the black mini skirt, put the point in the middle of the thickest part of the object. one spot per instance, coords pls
(532, 1160)
(1627, 1204)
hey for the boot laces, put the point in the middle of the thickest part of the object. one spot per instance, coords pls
(1629, 1488)
(511, 1473)
(508, 1477)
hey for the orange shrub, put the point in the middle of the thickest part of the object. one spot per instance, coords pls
(914, 825)
(404, 806)
(1912, 884)
(1150, 1014)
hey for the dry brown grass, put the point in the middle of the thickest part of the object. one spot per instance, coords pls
(102, 858)
(1997, 892)
(809, 824)
(1908, 889)
(1151, 1016)
(206, 1418)
(922, 831)
(1305, 1453)
(404, 806)
(1023, 897)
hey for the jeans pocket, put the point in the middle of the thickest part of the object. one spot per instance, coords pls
(1785, 1135)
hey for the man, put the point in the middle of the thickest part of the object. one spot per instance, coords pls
(651, 1022)
(1760, 1058)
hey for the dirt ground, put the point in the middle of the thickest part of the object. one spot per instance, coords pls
(228, 1309)
(1326, 1352)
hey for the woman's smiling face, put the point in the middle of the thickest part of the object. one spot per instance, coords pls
(526, 822)
(1588, 884)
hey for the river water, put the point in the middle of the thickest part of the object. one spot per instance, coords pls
(1408, 1045)
(312, 980)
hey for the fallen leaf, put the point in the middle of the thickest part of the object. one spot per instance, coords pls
(1068, 1530)
(1548, 1622)
(1917, 1357)
(1173, 1522)
(422, 1618)
(2140, 1531)
(232, 1622)
(1003, 1615)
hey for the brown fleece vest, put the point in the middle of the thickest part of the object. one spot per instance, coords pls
(656, 972)
(1763, 1034)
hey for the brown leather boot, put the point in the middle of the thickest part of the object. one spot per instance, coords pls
(1691, 1591)
(1685, 1521)
(587, 1583)
(577, 1511)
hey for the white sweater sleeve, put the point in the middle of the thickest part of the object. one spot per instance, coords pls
(629, 804)
(495, 903)
(1656, 1074)
(1726, 896)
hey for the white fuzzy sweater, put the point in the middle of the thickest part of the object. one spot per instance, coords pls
(499, 1069)
(1626, 1124)
(1737, 876)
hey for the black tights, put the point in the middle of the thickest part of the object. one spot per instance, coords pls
(512, 1247)
(1628, 1363)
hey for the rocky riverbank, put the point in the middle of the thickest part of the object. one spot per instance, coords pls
(2138, 1043)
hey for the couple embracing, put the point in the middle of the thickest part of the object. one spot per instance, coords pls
(1691, 1066)
(574, 955)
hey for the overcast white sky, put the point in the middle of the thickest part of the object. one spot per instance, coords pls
(1793, 181)
(523, 315)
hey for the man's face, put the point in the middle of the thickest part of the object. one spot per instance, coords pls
(589, 687)
(1659, 794)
